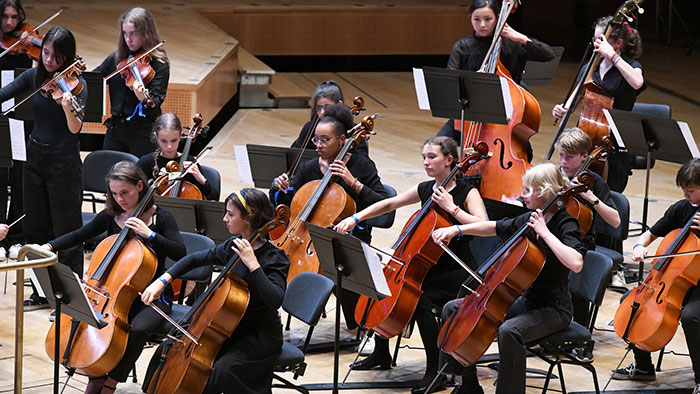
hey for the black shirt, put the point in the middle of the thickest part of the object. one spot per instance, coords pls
(624, 95)
(363, 147)
(602, 192)
(676, 216)
(468, 53)
(266, 284)
(554, 276)
(11, 62)
(50, 124)
(123, 100)
(361, 167)
(147, 162)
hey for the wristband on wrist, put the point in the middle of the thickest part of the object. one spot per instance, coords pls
(357, 220)
(455, 211)
(459, 231)
(638, 244)
(152, 236)
(165, 281)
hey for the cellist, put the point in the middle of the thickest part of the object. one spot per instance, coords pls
(245, 362)
(464, 205)
(688, 179)
(545, 307)
(158, 229)
(621, 75)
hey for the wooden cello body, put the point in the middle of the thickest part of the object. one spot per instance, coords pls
(184, 189)
(415, 247)
(468, 333)
(648, 317)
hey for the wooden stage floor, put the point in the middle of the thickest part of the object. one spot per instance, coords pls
(396, 150)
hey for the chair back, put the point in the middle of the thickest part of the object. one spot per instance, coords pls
(386, 220)
(306, 296)
(483, 247)
(213, 178)
(591, 282)
(623, 209)
(660, 110)
(96, 166)
(195, 243)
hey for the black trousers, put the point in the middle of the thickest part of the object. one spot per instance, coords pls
(133, 136)
(12, 177)
(53, 188)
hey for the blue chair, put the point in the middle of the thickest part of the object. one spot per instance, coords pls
(213, 178)
(616, 235)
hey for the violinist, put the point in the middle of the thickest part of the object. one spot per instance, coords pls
(52, 172)
(545, 307)
(13, 17)
(327, 93)
(166, 133)
(464, 205)
(245, 361)
(157, 229)
(129, 127)
(688, 179)
(621, 75)
(468, 53)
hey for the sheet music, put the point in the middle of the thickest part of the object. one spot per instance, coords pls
(613, 128)
(243, 163)
(421, 90)
(104, 97)
(19, 148)
(375, 268)
(507, 102)
(692, 146)
(6, 77)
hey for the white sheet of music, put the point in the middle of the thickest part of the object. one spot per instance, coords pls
(688, 136)
(19, 148)
(6, 77)
(421, 90)
(375, 268)
(243, 163)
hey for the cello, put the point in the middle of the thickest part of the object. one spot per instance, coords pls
(469, 332)
(648, 316)
(501, 175)
(211, 320)
(180, 188)
(120, 267)
(389, 316)
(321, 202)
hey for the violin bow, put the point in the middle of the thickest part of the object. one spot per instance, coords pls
(661, 256)
(77, 60)
(134, 60)
(52, 17)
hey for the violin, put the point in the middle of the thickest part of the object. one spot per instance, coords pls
(593, 97)
(30, 44)
(501, 175)
(321, 202)
(180, 188)
(121, 267)
(211, 320)
(469, 332)
(138, 69)
(416, 248)
(648, 316)
(67, 81)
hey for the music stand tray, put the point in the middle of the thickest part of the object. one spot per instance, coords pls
(268, 162)
(197, 216)
(541, 73)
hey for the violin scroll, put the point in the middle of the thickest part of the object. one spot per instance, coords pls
(359, 105)
(473, 154)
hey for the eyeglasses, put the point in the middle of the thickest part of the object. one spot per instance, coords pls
(322, 141)
(319, 107)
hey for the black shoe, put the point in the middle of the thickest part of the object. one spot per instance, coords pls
(372, 362)
(632, 372)
(582, 355)
(33, 304)
(422, 386)
(468, 390)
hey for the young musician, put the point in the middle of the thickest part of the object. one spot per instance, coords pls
(166, 133)
(545, 307)
(676, 216)
(463, 204)
(621, 75)
(355, 173)
(327, 93)
(53, 170)
(129, 128)
(245, 361)
(157, 229)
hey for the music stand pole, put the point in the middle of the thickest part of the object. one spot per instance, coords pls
(463, 102)
(57, 342)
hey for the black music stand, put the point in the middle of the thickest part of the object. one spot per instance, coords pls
(654, 137)
(268, 162)
(93, 108)
(498, 209)
(197, 216)
(5, 143)
(64, 292)
(466, 95)
(342, 259)
(541, 73)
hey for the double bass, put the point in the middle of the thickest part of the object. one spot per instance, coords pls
(415, 247)
(211, 320)
(121, 266)
(648, 316)
(323, 203)
(469, 332)
(501, 175)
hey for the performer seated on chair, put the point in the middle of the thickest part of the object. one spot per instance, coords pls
(688, 179)
(158, 229)
(245, 362)
(545, 307)
(166, 134)
(464, 205)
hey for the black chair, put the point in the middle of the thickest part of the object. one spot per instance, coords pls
(305, 298)
(615, 235)
(213, 178)
(386, 220)
(660, 110)
(556, 349)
